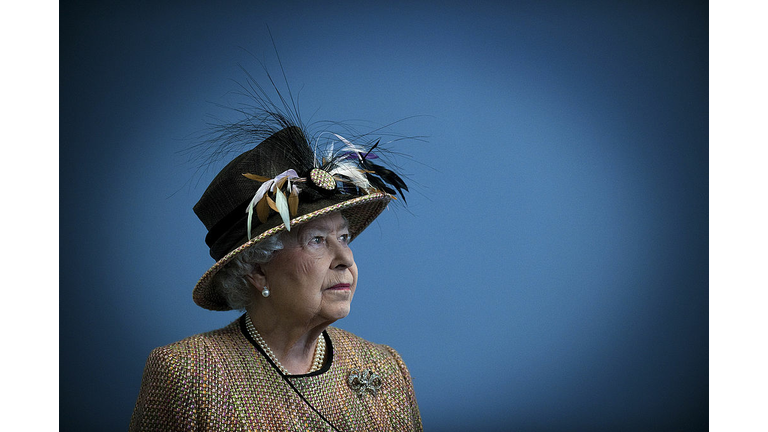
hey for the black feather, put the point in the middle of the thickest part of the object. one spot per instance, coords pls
(379, 184)
(387, 176)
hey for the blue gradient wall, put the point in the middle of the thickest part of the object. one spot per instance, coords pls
(550, 272)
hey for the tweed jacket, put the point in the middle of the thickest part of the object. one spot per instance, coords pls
(222, 381)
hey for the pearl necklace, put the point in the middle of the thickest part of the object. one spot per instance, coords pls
(317, 359)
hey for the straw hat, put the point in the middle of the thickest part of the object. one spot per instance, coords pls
(282, 183)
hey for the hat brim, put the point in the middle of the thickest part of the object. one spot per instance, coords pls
(359, 211)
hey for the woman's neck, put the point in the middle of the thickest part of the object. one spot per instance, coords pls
(293, 345)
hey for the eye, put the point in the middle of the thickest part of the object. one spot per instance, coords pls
(317, 240)
(345, 238)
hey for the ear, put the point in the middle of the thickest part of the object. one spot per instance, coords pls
(257, 277)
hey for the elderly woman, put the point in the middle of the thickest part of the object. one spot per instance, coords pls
(280, 219)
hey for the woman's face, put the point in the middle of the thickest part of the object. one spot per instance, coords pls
(314, 276)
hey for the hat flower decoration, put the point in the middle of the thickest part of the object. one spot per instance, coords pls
(349, 169)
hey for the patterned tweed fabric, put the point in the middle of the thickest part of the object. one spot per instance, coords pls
(222, 381)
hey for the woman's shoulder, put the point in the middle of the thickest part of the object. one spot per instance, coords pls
(341, 336)
(369, 351)
(202, 342)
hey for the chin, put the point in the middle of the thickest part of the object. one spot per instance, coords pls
(337, 313)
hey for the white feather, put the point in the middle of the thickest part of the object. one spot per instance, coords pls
(349, 145)
(329, 153)
(353, 172)
(256, 198)
(344, 140)
(282, 207)
(291, 173)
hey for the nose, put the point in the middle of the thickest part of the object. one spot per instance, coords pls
(343, 257)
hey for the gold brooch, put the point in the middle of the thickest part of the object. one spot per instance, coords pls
(367, 381)
(322, 179)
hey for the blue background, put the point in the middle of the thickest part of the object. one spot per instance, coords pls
(550, 270)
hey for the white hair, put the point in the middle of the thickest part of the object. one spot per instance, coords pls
(231, 281)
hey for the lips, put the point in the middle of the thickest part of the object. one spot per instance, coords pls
(340, 286)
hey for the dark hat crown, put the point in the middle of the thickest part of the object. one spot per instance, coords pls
(222, 208)
(230, 189)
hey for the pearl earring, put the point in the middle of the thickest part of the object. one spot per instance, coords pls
(265, 292)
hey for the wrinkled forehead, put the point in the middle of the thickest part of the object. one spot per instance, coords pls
(325, 224)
